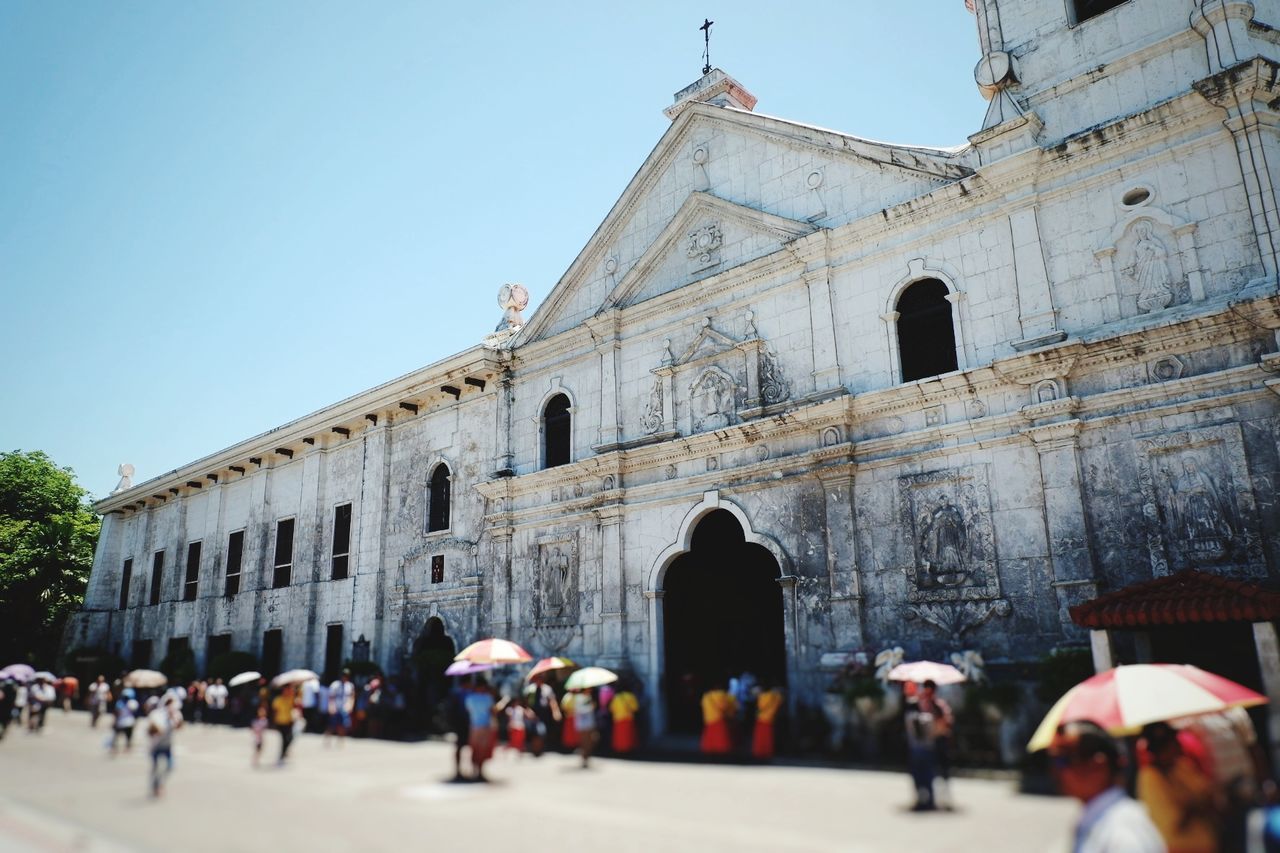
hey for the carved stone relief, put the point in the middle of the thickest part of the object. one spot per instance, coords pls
(556, 590)
(773, 388)
(1046, 391)
(703, 246)
(1165, 369)
(713, 400)
(651, 420)
(1198, 503)
(948, 516)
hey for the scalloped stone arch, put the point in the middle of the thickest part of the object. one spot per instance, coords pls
(710, 502)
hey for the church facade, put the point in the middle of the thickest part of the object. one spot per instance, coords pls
(801, 393)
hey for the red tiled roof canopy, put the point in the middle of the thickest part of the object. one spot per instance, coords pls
(1188, 596)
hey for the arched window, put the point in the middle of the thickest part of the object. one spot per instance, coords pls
(438, 500)
(556, 423)
(926, 336)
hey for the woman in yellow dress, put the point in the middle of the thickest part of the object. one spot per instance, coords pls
(718, 707)
(768, 703)
(623, 707)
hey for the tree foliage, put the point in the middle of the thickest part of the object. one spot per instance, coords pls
(48, 532)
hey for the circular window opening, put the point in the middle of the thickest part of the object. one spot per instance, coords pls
(1135, 196)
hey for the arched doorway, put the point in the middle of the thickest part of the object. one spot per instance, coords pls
(722, 615)
(432, 653)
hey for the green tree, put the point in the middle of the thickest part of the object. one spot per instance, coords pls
(48, 531)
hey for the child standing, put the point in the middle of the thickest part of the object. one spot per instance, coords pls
(258, 728)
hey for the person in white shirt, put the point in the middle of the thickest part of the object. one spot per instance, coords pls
(40, 696)
(1086, 765)
(99, 700)
(342, 702)
(161, 723)
(309, 698)
(215, 697)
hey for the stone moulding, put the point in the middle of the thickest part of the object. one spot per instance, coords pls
(956, 620)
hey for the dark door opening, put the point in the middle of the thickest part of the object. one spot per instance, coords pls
(272, 649)
(722, 616)
(333, 648)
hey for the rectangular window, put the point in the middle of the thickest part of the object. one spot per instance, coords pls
(1086, 9)
(219, 644)
(272, 651)
(192, 585)
(341, 541)
(333, 652)
(235, 556)
(141, 658)
(157, 576)
(437, 568)
(177, 646)
(284, 554)
(126, 577)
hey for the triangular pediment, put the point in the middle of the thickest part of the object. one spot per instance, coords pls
(767, 181)
(707, 236)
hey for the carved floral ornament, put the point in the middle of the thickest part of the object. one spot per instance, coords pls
(703, 244)
(714, 381)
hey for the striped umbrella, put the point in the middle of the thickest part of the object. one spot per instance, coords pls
(494, 651)
(926, 670)
(548, 665)
(1124, 699)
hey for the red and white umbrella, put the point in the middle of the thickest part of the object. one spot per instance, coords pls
(466, 667)
(549, 665)
(1124, 699)
(494, 651)
(926, 670)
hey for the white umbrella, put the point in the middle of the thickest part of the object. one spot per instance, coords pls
(589, 677)
(244, 678)
(45, 676)
(145, 679)
(293, 676)
(926, 670)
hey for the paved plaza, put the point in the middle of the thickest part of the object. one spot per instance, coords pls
(60, 791)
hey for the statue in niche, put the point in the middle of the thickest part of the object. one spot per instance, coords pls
(945, 547)
(1046, 392)
(1151, 269)
(1201, 517)
(713, 401)
(556, 582)
(651, 421)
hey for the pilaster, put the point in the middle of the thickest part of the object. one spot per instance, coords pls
(1036, 313)
(826, 358)
(842, 554)
(613, 590)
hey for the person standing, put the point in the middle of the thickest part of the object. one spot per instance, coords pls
(310, 700)
(8, 690)
(584, 721)
(569, 730)
(1086, 765)
(258, 728)
(459, 721)
(283, 713)
(543, 700)
(1179, 796)
(99, 700)
(929, 702)
(215, 697)
(483, 733)
(623, 707)
(768, 703)
(342, 703)
(161, 723)
(718, 709)
(126, 715)
(921, 755)
(42, 696)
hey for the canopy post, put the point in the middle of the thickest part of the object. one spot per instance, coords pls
(1103, 656)
(1268, 646)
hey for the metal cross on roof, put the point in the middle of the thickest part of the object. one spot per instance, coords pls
(706, 44)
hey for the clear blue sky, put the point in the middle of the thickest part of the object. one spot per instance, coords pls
(218, 216)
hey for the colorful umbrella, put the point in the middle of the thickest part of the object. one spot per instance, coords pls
(145, 679)
(1124, 699)
(293, 676)
(466, 667)
(45, 675)
(550, 665)
(17, 672)
(494, 651)
(244, 678)
(926, 670)
(588, 677)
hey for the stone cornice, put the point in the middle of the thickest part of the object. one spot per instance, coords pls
(381, 402)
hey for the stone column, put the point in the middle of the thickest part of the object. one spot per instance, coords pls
(605, 332)
(368, 580)
(313, 524)
(826, 358)
(1264, 638)
(842, 554)
(1038, 317)
(656, 689)
(500, 580)
(503, 460)
(1066, 523)
(613, 613)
